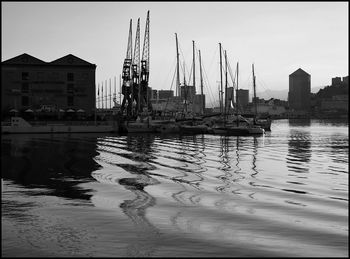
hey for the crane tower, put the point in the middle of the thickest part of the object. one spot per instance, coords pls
(126, 75)
(144, 73)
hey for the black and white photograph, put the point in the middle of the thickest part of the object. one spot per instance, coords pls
(174, 129)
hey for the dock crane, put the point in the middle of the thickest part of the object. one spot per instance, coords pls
(135, 91)
(144, 73)
(126, 76)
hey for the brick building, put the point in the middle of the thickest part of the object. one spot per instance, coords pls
(243, 98)
(65, 83)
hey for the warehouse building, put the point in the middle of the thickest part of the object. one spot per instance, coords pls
(28, 83)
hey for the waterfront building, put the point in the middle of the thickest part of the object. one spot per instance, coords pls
(199, 101)
(154, 94)
(272, 107)
(165, 94)
(299, 91)
(243, 98)
(336, 80)
(337, 102)
(173, 104)
(30, 83)
(188, 92)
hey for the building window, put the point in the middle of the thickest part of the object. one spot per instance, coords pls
(40, 76)
(25, 101)
(70, 77)
(25, 87)
(70, 100)
(25, 75)
(70, 88)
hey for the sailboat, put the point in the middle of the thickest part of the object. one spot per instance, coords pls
(194, 125)
(264, 123)
(234, 128)
(184, 121)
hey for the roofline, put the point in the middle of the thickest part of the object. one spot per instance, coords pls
(301, 70)
(46, 63)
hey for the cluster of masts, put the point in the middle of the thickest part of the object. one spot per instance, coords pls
(224, 103)
(135, 74)
(135, 77)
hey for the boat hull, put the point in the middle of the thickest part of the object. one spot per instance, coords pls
(196, 129)
(140, 127)
(231, 131)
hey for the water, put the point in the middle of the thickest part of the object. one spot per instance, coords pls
(284, 194)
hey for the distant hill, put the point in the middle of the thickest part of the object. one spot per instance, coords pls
(280, 94)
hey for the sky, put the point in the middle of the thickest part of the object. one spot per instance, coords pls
(278, 37)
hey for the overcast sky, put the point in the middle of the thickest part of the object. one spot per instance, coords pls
(278, 37)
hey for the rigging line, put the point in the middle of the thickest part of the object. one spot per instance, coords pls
(233, 78)
(171, 68)
(183, 57)
(172, 83)
(266, 89)
(190, 74)
(206, 80)
(213, 59)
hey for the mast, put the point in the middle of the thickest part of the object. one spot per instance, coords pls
(135, 90)
(225, 86)
(126, 75)
(115, 92)
(221, 91)
(237, 119)
(194, 73)
(106, 94)
(255, 104)
(185, 88)
(110, 93)
(120, 89)
(101, 95)
(201, 78)
(144, 73)
(178, 90)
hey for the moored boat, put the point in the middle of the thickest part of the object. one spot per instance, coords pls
(194, 129)
(140, 126)
(230, 130)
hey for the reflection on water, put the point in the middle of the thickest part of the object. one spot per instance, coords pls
(284, 194)
(136, 208)
(47, 162)
(299, 151)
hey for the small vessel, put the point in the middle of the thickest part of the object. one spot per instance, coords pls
(168, 126)
(19, 125)
(140, 125)
(264, 123)
(194, 129)
(234, 127)
(230, 130)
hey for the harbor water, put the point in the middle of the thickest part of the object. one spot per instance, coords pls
(148, 195)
